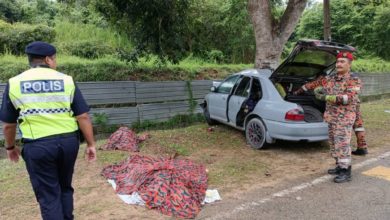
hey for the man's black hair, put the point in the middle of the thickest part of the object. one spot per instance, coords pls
(35, 59)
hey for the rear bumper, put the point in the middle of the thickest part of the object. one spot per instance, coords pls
(297, 132)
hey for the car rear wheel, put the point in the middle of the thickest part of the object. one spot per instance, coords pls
(312, 114)
(206, 114)
(255, 133)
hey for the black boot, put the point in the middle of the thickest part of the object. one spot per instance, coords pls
(360, 151)
(334, 171)
(344, 175)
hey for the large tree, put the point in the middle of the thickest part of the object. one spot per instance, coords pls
(271, 33)
(157, 27)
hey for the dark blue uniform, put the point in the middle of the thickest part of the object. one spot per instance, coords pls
(50, 162)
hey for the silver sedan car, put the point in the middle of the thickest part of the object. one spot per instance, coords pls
(261, 101)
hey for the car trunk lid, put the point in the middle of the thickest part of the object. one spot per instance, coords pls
(309, 59)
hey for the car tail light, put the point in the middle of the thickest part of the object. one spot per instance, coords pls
(295, 115)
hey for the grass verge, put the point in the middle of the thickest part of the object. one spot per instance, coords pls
(233, 166)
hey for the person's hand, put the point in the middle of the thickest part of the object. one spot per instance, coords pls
(13, 155)
(90, 153)
(298, 91)
(320, 94)
(246, 109)
(331, 98)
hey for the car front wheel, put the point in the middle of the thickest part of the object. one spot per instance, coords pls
(255, 133)
(206, 114)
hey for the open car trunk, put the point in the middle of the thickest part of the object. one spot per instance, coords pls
(308, 60)
(312, 107)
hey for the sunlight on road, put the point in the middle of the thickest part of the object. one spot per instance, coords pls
(379, 172)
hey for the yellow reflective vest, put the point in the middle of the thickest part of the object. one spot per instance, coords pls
(43, 97)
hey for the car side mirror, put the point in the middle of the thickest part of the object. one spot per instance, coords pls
(213, 89)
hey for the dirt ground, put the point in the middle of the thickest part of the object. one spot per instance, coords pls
(233, 167)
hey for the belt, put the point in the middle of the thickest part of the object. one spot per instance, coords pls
(63, 135)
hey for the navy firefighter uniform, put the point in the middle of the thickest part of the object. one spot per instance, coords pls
(44, 103)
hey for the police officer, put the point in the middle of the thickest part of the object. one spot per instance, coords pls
(48, 109)
(340, 91)
(357, 126)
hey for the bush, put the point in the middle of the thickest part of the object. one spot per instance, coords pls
(215, 56)
(87, 49)
(371, 65)
(174, 122)
(10, 68)
(9, 10)
(112, 69)
(14, 38)
(68, 32)
(98, 70)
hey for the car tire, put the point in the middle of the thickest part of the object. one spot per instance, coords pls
(255, 133)
(206, 114)
(312, 114)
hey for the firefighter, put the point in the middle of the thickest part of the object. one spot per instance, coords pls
(340, 92)
(362, 148)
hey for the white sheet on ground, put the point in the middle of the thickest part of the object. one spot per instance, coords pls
(133, 199)
(212, 195)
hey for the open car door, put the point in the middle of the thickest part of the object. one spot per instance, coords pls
(238, 98)
(218, 100)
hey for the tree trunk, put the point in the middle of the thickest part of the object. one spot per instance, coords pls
(270, 35)
(327, 31)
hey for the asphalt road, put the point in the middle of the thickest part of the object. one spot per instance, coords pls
(366, 197)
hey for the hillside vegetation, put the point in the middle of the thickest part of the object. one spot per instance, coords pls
(216, 38)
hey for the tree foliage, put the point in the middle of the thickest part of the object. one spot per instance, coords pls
(361, 23)
(174, 29)
(9, 11)
(14, 38)
(33, 12)
(218, 31)
(222, 25)
(156, 26)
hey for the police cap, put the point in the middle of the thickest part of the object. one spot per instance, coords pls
(40, 48)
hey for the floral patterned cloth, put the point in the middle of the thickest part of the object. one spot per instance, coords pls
(175, 187)
(124, 139)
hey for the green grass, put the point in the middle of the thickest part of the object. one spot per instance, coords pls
(67, 33)
(241, 171)
(12, 175)
(372, 65)
(233, 167)
(109, 68)
(378, 118)
(175, 122)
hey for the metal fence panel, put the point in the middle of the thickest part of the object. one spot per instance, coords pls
(162, 111)
(159, 101)
(118, 116)
(116, 92)
(149, 92)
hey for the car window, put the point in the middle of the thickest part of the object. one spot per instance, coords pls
(256, 91)
(308, 64)
(301, 71)
(243, 87)
(318, 57)
(227, 85)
